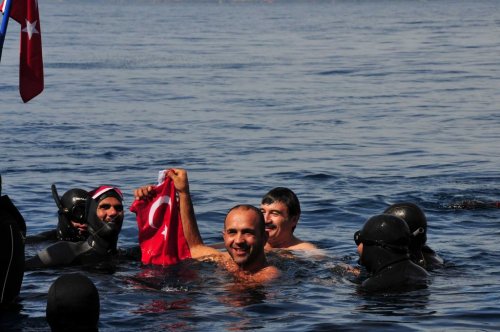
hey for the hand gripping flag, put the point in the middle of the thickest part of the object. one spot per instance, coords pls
(161, 236)
(25, 12)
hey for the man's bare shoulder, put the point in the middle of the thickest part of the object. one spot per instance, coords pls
(301, 248)
(302, 245)
(293, 243)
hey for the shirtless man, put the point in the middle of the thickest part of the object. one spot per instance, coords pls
(244, 235)
(281, 209)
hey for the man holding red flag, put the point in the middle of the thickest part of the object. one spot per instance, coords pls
(25, 12)
(244, 234)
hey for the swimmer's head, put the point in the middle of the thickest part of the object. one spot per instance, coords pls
(109, 203)
(414, 217)
(385, 239)
(385, 231)
(284, 201)
(105, 215)
(73, 304)
(245, 236)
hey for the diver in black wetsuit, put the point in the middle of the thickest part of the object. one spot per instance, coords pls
(72, 225)
(420, 253)
(383, 248)
(12, 234)
(104, 217)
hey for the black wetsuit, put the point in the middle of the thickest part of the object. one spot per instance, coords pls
(100, 245)
(385, 239)
(49, 236)
(71, 253)
(12, 233)
(425, 257)
(416, 220)
(391, 271)
(431, 258)
(90, 252)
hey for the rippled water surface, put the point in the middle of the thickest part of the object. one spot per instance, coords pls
(354, 105)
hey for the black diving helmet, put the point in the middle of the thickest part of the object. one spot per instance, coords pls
(72, 203)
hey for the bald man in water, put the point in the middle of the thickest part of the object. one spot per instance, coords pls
(244, 235)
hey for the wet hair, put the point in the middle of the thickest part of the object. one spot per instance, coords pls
(73, 304)
(247, 207)
(286, 196)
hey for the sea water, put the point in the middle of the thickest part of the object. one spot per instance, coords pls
(354, 105)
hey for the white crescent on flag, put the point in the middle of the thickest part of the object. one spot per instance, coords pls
(161, 200)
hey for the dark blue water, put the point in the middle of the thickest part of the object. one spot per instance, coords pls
(353, 104)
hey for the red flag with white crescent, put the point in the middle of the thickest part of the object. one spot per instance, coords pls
(161, 236)
(25, 12)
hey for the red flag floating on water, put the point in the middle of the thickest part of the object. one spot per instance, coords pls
(25, 12)
(161, 236)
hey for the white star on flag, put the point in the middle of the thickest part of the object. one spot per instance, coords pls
(30, 28)
(164, 233)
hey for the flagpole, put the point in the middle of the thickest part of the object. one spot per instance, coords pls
(3, 27)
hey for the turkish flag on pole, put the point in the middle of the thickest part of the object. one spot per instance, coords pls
(25, 12)
(161, 236)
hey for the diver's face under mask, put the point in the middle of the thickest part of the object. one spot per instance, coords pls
(362, 242)
(77, 212)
